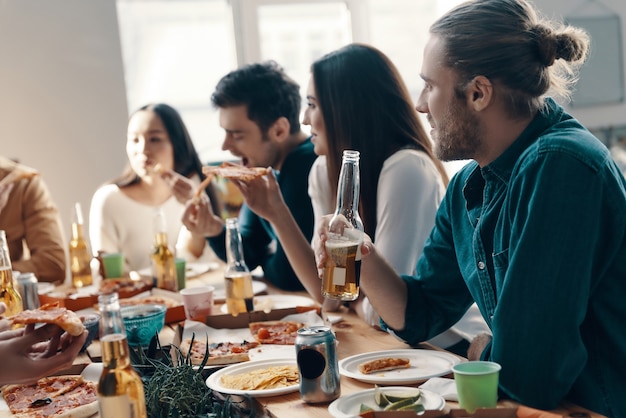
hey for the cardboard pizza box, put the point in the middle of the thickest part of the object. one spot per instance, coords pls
(176, 313)
(244, 319)
(74, 300)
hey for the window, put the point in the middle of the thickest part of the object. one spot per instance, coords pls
(176, 51)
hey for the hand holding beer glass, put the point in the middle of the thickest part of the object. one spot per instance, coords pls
(342, 268)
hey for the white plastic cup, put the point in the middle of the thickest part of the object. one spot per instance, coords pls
(198, 301)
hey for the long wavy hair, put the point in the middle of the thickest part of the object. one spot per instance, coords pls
(186, 159)
(367, 107)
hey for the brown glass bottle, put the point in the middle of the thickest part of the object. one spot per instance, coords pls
(238, 280)
(80, 257)
(163, 259)
(345, 235)
(8, 294)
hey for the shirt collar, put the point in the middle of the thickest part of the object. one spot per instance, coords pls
(502, 167)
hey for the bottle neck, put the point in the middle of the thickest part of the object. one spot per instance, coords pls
(348, 190)
(160, 239)
(78, 236)
(234, 246)
(6, 278)
(111, 321)
(5, 258)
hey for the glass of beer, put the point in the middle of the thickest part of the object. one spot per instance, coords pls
(343, 265)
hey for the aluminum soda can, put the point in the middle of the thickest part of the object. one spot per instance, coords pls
(316, 352)
(27, 287)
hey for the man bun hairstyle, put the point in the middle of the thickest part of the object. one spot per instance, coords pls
(524, 55)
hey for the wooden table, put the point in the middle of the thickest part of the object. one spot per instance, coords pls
(354, 337)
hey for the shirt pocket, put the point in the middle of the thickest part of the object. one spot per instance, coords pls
(500, 265)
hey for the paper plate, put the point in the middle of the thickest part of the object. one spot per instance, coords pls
(215, 380)
(424, 365)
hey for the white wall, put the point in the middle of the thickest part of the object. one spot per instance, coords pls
(62, 96)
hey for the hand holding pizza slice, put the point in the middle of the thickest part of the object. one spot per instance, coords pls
(30, 353)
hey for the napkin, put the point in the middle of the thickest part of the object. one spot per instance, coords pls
(442, 386)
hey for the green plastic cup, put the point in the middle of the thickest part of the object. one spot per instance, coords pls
(181, 277)
(477, 384)
(113, 265)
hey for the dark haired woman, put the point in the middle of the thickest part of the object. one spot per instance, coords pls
(163, 172)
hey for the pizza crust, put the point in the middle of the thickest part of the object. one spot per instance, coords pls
(216, 358)
(51, 313)
(235, 171)
(82, 411)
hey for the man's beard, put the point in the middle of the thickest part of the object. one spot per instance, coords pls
(457, 136)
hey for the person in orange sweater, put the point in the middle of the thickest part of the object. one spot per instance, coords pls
(32, 223)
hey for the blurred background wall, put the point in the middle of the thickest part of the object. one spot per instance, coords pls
(71, 70)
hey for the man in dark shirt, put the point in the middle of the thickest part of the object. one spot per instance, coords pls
(259, 109)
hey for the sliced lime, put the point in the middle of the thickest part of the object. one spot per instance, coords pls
(365, 408)
(379, 397)
(396, 397)
(395, 406)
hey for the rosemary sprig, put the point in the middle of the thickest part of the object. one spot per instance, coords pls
(179, 390)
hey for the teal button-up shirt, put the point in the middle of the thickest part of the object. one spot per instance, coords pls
(538, 239)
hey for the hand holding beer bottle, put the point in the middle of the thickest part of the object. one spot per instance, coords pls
(342, 268)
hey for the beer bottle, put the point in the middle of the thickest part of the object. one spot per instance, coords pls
(80, 257)
(345, 235)
(8, 294)
(163, 260)
(239, 294)
(120, 389)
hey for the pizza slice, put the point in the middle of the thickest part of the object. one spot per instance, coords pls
(219, 353)
(384, 364)
(275, 332)
(53, 397)
(51, 313)
(235, 171)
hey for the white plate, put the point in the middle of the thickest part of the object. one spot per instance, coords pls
(220, 289)
(191, 269)
(214, 381)
(424, 365)
(268, 302)
(349, 406)
(92, 372)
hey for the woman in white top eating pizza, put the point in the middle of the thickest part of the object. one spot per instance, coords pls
(163, 172)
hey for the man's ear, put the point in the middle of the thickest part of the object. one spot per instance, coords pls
(479, 93)
(280, 129)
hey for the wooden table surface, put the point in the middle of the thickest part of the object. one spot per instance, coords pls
(354, 337)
